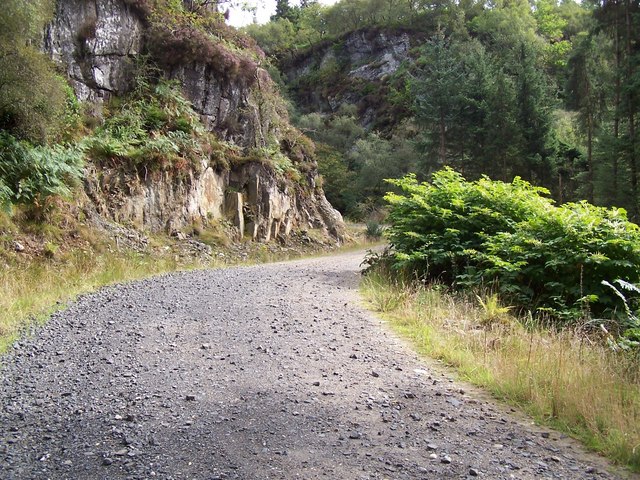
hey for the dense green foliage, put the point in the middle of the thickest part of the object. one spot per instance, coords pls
(32, 96)
(354, 162)
(297, 27)
(511, 238)
(36, 108)
(544, 90)
(482, 113)
(153, 128)
(28, 174)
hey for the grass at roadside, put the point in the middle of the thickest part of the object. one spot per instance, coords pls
(567, 380)
(33, 287)
(33, 291)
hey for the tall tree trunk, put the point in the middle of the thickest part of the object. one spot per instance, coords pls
(616, 110)
(442, 149)
(633, 161)
(560, 193)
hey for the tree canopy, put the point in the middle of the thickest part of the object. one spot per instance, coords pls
(544, 90)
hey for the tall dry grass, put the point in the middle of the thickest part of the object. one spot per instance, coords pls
(566, 379)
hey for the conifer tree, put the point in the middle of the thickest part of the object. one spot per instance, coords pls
(283, 10)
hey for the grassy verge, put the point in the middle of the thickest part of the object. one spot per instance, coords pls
(33, 287)
(31, 292)
(567, 380)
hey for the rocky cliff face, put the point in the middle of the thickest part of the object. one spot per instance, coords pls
(251, 197)
(366, 54)
(355, 69)
(98, 43)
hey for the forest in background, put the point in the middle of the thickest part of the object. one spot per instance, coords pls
(542, 90)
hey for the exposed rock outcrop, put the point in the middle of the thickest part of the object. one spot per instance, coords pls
(363, 54)
(250, 197)
(388, 51)
(361, 66)
(229, 108)
(98, 43)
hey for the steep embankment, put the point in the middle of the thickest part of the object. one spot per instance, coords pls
(270, 189)
(268, 372)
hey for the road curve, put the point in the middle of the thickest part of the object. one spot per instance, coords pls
(264, 372)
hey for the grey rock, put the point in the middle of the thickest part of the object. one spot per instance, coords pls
(97, 44)
(456, 403)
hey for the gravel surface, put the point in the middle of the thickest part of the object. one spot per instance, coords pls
(265, 372)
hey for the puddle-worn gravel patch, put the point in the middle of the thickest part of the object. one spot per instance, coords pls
(265, 372)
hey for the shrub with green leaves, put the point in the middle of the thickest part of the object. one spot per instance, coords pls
(438, 227)
(156, 127)
(511, 238)
(29, 174)
(33, 97)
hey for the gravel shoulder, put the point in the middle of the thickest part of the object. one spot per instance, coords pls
(265, 372)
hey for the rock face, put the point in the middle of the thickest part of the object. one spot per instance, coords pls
(360, 62)
(97, 43)
(251, 198)
(228, 108)
(378, 56)
(369, 55)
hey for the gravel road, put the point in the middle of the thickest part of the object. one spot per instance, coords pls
(264, 372)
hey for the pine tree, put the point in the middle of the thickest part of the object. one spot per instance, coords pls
(436, 88)
(284, 11)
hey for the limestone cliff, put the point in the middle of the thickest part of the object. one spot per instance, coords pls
(99, 42)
